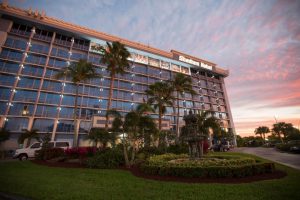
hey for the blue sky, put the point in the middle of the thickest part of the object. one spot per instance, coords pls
(258, 41)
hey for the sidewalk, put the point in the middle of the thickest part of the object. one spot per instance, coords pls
(288, 159)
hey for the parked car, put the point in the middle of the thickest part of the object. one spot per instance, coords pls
(294, 146)
(29, 152)
(225, 146)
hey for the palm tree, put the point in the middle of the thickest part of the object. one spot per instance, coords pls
(205, 122)
(115, 55)
(29, 134)
(282, 128)
(181, 84)
(262, 131)
(98, 135)
(78, 73)
(160, 96)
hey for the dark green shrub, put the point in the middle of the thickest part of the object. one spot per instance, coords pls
(149, 151)
(178, 149)
(108, 158)
(232, 166)
(49, 153)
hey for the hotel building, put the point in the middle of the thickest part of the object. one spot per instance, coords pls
(34, 47)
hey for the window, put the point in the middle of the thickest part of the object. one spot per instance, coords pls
(52, 86)
(70, 100)
(15, 43)
(40, 60)
(46, 111)
(9, 67)
(78, 56)
(21, 109)
(85, 126)
(65, 126)
(3, 107)
(29, 83)
(49, 98)
(67, 112)
(57, 52)
(57, 63)
(43, 125)
(16, 124)
(62, 144)
(39, 48)
(11, 54)
(32, 70)
(35, 146)
(25, 95)
(5, 93)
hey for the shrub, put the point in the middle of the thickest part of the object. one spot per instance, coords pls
(108, 158)
(49, 153)
(212, 166)
(80, 152)
(178, 149)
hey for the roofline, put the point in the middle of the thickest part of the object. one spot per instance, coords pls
(38, 17)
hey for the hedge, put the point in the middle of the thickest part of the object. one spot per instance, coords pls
(241, 167)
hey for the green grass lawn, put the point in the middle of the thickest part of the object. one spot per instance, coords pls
(41, 182)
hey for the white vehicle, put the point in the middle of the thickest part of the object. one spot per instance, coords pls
(29, 152)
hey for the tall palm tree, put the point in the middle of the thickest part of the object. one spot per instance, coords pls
(99, 135)
(79, 72)
(160, 96)
(262, 131)
(282, 128)
(29, 135)
(205, 122)
(115, 56)
(181, 84)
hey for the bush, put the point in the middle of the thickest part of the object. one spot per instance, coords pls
(149, 151)
(80, 152)
(108, 158)
(212, 166)
(178, 149)
(49, 153)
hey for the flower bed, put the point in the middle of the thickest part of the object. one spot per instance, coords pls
(209, 166)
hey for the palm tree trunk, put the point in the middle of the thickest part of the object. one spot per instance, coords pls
(159, 119)
(177, 119)
(75, 142)
(111, 85)
(125, 153)
(28, 142)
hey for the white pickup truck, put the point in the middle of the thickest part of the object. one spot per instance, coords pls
(29, 152)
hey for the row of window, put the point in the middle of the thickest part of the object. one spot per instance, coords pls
(45, 125)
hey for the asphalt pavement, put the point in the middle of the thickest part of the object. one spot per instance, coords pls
(288, 159)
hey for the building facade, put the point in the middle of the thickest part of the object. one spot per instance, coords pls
(34, 47)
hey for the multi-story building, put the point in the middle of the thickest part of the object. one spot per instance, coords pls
(34, 47)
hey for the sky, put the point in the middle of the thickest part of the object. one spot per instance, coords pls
(258, 41)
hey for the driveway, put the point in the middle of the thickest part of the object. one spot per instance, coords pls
(291, 160)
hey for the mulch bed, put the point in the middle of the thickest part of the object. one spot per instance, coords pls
(137, 172)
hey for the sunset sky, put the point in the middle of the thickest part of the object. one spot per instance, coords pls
(258, 41)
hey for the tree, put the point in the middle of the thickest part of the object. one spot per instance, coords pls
(205, 122)
(4, 135)
(294, 134)
(78, 73)
(29, 135)
(181, 84)
(98, 135)
(160, 96)
(262, 131)
(115, 56)
(282, 128)
(134, 126)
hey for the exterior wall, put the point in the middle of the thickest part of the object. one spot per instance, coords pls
(31, 98)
